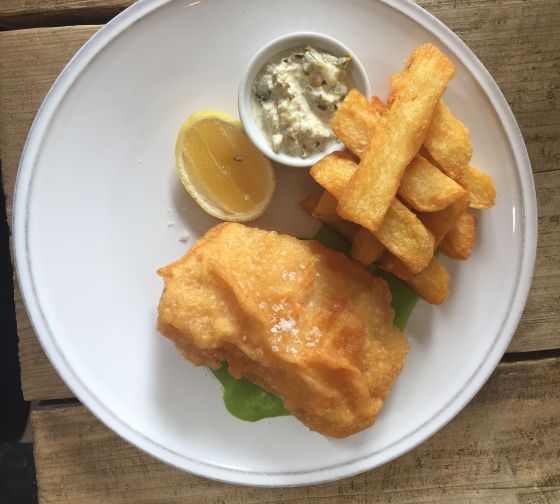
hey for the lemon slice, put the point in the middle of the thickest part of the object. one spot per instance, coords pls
(221, 169)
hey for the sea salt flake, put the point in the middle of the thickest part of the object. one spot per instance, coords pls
(289, 275)
(262, 305)
(284, 325)
(274, 348)
(315, 331)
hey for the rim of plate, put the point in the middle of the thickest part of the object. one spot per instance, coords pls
(524, 273)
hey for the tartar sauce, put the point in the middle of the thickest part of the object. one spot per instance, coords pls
(295, 97)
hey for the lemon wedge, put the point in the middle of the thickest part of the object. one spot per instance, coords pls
(221, 169)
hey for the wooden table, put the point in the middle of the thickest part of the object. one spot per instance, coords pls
(504, 447)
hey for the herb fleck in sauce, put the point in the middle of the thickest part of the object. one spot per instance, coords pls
(295, 97)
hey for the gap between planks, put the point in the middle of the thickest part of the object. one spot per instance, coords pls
(21, 14)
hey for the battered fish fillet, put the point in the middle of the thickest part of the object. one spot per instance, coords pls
(298, 319)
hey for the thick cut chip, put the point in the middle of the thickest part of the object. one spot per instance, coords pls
(334, 171)
(401, 231)
(395, 266)
(355, 122)
(378, 105)
(459, 240)
(325, 211)
(406, 237)
(323, 207)
(366, 248)
(298, 319)
(310, 203)
(398, 138)
(427, 189)
(449, 142)
(431, 284)
(481, 188)
(439, 223)
(423, 186)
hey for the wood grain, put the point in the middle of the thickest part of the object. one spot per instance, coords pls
(40, 13)
(30, 62)
(503, 448)
(516, 40)
(38, 377)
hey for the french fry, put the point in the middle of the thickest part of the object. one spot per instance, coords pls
(378, 105)
(402, 130)
(323, 208)
(334, 171)
(406, 237)
(481, 188)
(366, 248)
(414, 147)
(432, 284)
(423, 186)
(395, 266)
(427, 189)
(449, 142)
(355, 121)
(325, 211)
(439, 223)
(308, 204)
(459, 240)
(447, 137)
(401, 231)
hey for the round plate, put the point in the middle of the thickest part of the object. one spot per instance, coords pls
(98, 209)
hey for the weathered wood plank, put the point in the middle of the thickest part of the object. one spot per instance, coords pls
(527, 68)
(504, 447)
(39, 380)
(30, 62)
(17, 14)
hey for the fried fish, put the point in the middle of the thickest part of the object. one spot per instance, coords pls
(296, 318)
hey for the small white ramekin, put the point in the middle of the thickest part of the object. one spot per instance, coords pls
(270, 51)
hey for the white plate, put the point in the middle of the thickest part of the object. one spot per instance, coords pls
(97, 189)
